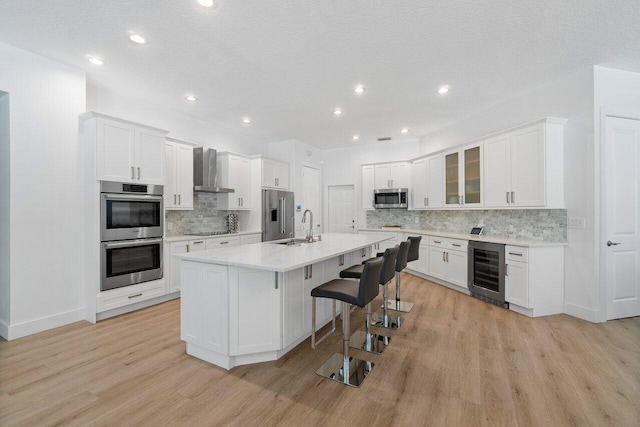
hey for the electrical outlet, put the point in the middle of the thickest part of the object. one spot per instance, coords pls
(169, 226)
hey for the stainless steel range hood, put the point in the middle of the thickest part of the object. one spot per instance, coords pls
(205, 171)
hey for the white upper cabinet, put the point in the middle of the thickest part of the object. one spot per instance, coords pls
(127, 152)
(178, 190)
(463, 177)
(392, 175)
(427, 182)
(234, 171)
(275, 174)
(368, 184)
(524, 168)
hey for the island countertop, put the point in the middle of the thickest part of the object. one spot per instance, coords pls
(282, 258)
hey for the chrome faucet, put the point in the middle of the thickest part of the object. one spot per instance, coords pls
(310, 231)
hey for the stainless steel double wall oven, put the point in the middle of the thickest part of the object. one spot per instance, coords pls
(131, 229)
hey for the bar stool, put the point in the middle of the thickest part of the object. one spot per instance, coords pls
(384, 319)
(413, 254)
(342, 367)
(367, 341)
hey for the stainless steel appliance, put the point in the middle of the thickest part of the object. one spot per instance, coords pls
(205, 171)
(132, 225)
(130, 211)
(128, 262)
(391, 198)
(278, 213)
(487, 272)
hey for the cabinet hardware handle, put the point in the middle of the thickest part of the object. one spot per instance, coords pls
(138, 172)
(223, 243)
(456, 245)
(276, 279)
(391, 183)
(133, 173)
(199, 242)
(306, 274)
(447, 256)
(437, 241)
(134, 296)
(340, 260)
(427, 201)
(508, 198)
(443, 260)
(515, 253)
(610, 243)
(179, 199)
(506, 272)
(513, 197)
(311, 271)
(174, 199)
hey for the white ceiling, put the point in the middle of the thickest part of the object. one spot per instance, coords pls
(287, 64)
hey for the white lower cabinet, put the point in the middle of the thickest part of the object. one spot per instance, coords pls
(382, 246)
(250, 238)
(534, 284)
(222, 242)
(254, 322)
(448, 260)
(173, 270)
(421, 265)
(297, 302)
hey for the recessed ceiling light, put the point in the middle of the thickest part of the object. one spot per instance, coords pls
(95, 60)
(359, 89)
(207, 3)
(355, 137)
(337, 112)
(405, 130)
(190, 98)
(137, 38)
(246, 121)
(443, 90)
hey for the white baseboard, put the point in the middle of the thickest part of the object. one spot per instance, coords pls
(34, 326)
(583, 313)
(137, 306)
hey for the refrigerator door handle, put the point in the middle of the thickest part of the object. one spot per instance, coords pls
(283, 215)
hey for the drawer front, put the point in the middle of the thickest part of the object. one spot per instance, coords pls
(457, 244)
(129, 295)
(516, 253)
(197, 245)
(222, 242)
(250, 238)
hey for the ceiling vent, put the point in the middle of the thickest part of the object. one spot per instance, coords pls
(386, 138)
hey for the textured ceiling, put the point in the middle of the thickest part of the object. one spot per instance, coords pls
(287, 64)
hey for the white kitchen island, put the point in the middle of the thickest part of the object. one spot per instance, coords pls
(252, 303)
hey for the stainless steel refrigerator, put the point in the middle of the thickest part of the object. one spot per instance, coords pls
(278, 213)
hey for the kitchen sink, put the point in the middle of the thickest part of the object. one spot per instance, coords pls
(293, 242)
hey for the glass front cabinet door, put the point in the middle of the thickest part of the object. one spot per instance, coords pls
(463, 176)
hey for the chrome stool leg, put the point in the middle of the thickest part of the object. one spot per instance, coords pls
(398, 305)
(342, 367)
(365, 340)
(384, 319)
(315, 342)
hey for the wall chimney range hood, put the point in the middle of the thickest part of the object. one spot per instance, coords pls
(205, 171)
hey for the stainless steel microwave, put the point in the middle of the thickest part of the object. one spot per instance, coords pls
(391, 198)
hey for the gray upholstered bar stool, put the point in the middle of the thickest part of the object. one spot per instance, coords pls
(384, 319)
(342, 367)
(412, 255)
(365, 340)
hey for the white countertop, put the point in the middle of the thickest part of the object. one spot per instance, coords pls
(183, 237)
(466, 236)
(282, 258)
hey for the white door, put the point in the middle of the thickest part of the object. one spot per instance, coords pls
(184, 175)
(170, 190)
(622, 237)
(527, 167)
(342, 215)
(311, 195)
(435, 181)
(497, 171)
(149, 156)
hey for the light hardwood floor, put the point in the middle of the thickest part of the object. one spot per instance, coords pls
(456, 361)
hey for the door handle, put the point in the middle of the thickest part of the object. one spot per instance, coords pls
(610, 243)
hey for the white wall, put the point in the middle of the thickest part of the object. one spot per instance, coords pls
(342, 167)
(179, 125)
(572, 98)
(5, 231)
(46, 209)
(616, 92)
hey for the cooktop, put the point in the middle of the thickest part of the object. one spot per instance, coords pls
(207, 233)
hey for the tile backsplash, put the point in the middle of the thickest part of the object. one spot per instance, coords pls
(547, 225)
(205, 217)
